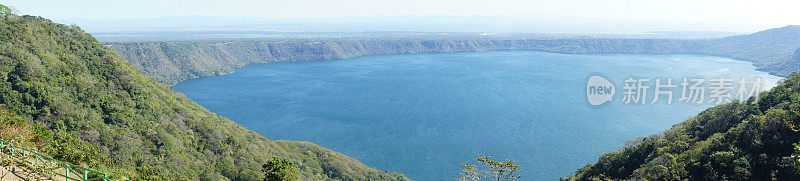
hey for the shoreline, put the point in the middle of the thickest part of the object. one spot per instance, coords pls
(255, 63)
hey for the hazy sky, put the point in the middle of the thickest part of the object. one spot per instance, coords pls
(715, 15)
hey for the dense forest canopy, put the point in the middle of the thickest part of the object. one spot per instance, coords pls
(91, 107)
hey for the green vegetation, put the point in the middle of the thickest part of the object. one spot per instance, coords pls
(5, 10)
(750, 140)
(66, 95)
(487, 169)
(770, 50)
(279, 169)
(15, 129)
(88, 106)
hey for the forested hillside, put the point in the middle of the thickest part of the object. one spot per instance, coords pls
(736, 141)
(173, 61)
(91, 107)
(770, 50)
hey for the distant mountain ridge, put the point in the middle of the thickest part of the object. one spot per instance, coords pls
(173, 61)
(771, 50)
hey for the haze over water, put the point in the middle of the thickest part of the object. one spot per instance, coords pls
(425, 114)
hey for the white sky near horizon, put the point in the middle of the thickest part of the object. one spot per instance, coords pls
(713, 15)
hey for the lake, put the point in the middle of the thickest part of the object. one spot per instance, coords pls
(424, 115)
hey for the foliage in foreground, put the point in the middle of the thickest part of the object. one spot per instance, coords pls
(17, 130)
(484, 168)
(100, 112)
(751, 140)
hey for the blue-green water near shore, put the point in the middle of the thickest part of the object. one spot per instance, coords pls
(425, 114)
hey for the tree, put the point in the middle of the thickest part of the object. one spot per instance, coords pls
(279, 169)
(5, 10)
(492, 170)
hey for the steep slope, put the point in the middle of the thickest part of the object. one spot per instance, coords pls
(100, 112)
(734, 141)
(770, 50)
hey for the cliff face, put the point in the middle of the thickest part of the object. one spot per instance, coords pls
(99, 111)
(173, 61)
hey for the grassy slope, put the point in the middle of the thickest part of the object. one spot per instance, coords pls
(105, 114)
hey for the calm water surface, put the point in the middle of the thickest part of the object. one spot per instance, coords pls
(425, 114)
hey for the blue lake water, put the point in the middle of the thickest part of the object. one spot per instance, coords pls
(425, 114)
